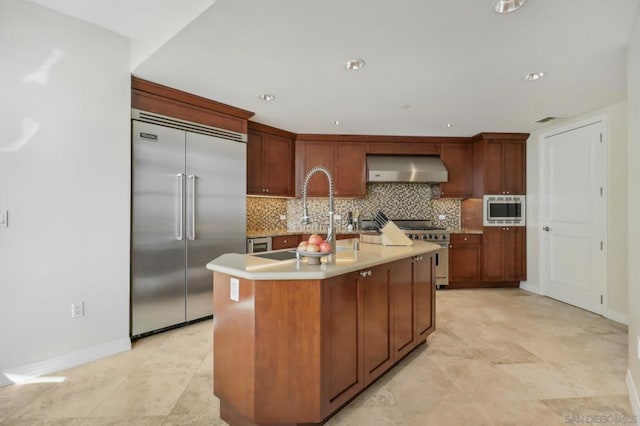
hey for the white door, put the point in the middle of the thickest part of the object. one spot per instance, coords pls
(572, 217)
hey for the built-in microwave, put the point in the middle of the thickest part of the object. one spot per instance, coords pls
(504, 210)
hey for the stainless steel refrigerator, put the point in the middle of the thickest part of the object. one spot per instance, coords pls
(188, 207)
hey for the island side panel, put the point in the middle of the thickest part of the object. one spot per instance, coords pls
(288, 351)
(234, 344)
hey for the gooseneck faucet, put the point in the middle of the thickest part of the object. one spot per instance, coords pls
(331, 237)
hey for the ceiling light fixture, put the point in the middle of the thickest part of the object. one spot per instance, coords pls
(354, 64)
(267, 97)
(448, 125)
(533, 76)
(508, 6)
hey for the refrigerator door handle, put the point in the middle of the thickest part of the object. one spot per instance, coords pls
(192, 178)
(181, 209)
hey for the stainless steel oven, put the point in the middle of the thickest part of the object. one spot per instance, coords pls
(423, 229)
(258, 245)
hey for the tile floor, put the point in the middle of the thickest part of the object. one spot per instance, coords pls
(499, 357)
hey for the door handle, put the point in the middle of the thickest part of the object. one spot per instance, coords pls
(181, 210)
(192, 178)
(546, 229)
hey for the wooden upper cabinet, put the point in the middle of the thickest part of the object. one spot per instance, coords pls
(504, 166)
(458, 159)
(346, 161)
(269, 164)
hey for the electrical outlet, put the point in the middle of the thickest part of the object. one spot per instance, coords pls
(283, 217)
(77, 310)
(234, 289)
(337, 216)
(442, 216)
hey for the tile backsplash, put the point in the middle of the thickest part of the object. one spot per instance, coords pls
(396, 200)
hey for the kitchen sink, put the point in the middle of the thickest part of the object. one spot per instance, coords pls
(277, 255)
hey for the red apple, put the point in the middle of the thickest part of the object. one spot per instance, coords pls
(315, 239)
(325, 247)
(313, 247)
(302, 246)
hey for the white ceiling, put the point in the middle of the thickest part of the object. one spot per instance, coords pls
(449, 61)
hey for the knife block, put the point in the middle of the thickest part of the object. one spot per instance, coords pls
(393, 236)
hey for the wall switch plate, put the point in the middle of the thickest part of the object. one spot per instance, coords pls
(234, 290)
(283, 217)
(77, 310)
(442, 216)
(4, 219)
(337, 216)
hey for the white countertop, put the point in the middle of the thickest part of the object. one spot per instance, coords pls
(345, 260)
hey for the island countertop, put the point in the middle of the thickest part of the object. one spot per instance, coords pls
(345, 260)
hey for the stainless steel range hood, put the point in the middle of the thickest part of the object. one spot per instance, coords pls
(406, 168)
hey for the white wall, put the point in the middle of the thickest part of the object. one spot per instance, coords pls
(65, 180)
(616, 122)
(633, 99)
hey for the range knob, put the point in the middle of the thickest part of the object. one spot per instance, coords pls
(425, 236)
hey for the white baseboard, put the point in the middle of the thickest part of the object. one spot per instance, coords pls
(533, 288)
(30, 372)
(634, 399)
(617, 317)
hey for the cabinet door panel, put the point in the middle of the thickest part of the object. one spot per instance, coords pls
(350, 170)
(318, 154)
(403, 315)
(458, 159)
(493, 168)
(424, 296)
(465, 263)
(515, 254)
(492, 257)
(254, 163)
(341, 336)
(514, 167)
(285, 241)
(376, 322)
(277, 170)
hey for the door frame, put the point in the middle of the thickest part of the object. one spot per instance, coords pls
(602, 285)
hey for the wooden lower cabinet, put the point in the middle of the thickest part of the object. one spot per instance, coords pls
(403, 308)
(285, 241)
(294, 352)
(465, 258)
(342, 345)
(504, 254)
(424, 285)
(377, 323)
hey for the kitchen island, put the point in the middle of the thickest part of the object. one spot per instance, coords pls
(295, 342)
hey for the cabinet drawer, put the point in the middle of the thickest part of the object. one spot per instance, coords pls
(284, 241)
(467, 239)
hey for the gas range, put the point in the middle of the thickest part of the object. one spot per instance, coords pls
(416, 229)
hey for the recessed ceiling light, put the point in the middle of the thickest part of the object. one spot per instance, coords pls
(533, 76)
(448, 125)
(405, 106)
(354, 64)
(267, 97)
(337, 122)
(508, 6)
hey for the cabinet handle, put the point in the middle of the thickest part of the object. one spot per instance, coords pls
(267, 190)
(286, 241)
(546, 228)
(465, 238)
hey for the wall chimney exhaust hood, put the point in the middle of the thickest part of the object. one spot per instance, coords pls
(406, 168)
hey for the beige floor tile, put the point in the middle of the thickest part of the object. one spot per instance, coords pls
(498, 357)
(519, 413)
(125, 421)
(145, 395)
(75, 397)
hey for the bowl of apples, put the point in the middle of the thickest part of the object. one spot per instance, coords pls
(314, 249)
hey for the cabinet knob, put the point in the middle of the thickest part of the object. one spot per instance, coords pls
(546, 229)
(267, 190)
(286, 241)
(465, 238)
